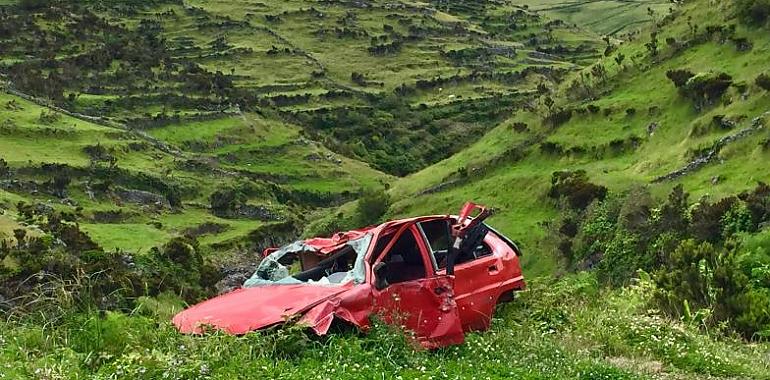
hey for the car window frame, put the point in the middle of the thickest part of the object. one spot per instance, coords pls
(425, 240)
(410, 227)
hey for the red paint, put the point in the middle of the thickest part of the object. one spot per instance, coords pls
(437, 307)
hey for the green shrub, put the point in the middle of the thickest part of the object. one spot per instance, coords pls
(763, 81)
(224, 202)
(679, 76)
(754, 11)
(706, 219)
(372, 206)
(706, 88)
(574, 187)
(699, 276)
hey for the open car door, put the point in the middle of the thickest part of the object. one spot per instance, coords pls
(407, 292)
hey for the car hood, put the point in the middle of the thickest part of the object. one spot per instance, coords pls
(248, 309)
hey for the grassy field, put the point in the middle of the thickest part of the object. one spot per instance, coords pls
(568, 329)
(616, 17)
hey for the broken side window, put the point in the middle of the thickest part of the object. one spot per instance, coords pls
(436, 234)
(404, 261)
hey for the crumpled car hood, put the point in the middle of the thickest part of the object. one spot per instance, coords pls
(248, 309)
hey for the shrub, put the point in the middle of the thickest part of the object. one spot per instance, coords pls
(372, 205)
(758, 204)
(550, 147)
(706, 219)
(679, 77)
(699, 276)
(754, 11)
(224, 202)
(558, 117)
(520, 127)
(673, 216)
(575, 188)
(706, 88)
(4, 168)
(763, 81)
(621, 259)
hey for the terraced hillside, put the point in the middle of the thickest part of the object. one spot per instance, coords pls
(606, 17)
(625, 123)
(287, 105)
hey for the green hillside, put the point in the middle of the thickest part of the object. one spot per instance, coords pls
(151, 149)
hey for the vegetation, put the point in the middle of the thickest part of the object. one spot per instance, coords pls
(147, 149)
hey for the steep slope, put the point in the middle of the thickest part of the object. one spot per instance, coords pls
(269, 109)
(625, 125)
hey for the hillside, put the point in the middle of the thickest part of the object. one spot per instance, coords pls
(183, 102)
(625, 128)
(150, 148)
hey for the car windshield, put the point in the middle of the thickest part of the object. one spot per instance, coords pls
(299, 263)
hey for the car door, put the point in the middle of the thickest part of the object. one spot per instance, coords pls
(409, 294)
(478, 274)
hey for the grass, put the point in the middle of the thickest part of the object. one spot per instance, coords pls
(558, 330)
(617, 16)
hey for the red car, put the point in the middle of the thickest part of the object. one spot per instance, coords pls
(438, 276)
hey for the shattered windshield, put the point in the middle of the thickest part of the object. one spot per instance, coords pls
(299, 263)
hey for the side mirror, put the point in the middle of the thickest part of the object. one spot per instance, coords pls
(380, 282)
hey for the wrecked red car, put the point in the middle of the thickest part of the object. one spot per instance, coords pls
(438, 276)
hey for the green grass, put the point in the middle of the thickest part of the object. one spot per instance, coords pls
(617, 16)
(558, 330)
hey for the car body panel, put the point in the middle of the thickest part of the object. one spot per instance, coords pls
(248, 309)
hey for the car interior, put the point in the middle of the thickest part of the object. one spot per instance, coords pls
(404, 261)
(438, 238)
(335, 267)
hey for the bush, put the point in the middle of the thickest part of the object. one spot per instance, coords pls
(4, 168)
(706, 88)
(706, 219)
(679, 77)
(558, 117)
(372, 206)
(763, 81)
(754, 11)
(758, 204)
(224, 202)
(574, 187)
(699, 276)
